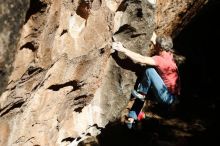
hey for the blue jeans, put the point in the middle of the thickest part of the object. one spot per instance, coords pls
(151, 79)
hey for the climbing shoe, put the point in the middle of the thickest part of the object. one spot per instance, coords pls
(132, 117)
(141, 116)
(130, 123)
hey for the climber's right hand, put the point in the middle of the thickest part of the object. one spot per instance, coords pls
(118, 46)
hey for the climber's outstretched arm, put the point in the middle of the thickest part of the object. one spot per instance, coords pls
(134, 56)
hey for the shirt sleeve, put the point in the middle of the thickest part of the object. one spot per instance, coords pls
(158, 60)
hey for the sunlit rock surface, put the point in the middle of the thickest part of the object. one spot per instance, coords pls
(66, 85)
(12, 17)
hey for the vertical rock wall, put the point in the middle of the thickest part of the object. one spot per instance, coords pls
(12, 16)
(66, 85)
(173, 15)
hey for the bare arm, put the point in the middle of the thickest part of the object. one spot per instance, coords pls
(134, 56)
(153, 38)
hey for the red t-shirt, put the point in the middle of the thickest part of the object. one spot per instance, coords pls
(168, 71)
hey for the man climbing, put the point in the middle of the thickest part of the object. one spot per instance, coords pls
(161, 73)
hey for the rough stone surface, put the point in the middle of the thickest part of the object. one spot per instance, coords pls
(12, 16)
(65, 85)
(173, 15)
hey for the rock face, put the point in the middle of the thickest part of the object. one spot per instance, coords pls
(66, 85)
(12, 16)
(173, 15)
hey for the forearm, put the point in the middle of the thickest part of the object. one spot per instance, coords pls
(134, 56)
(139, 58)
